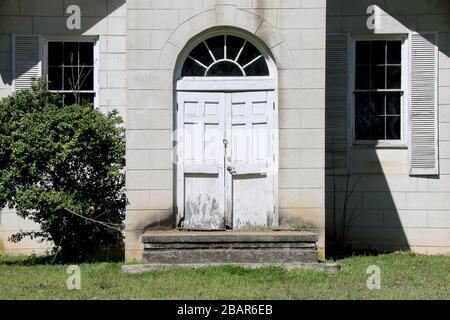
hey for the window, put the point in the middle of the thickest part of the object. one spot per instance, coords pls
(378, 95)
(71, 70)
(225, 56)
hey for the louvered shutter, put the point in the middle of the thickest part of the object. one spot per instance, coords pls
(336, 102)
(424, 105)
(27, 57)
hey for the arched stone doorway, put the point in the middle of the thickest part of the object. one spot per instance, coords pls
(227, 141)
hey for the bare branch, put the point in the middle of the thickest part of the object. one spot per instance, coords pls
(109, 225)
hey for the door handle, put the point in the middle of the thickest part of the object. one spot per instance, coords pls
(231, 170)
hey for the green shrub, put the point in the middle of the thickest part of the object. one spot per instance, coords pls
(62, 167)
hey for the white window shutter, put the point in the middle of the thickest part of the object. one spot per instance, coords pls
(27, 60)
(424, 150)
(337, 102)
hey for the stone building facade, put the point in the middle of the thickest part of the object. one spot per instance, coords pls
(289, 67)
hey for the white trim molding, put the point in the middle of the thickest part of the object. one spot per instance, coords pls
(94, 40)
(405, 90)
(226, 84)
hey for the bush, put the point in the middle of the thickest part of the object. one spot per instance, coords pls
(62, 167)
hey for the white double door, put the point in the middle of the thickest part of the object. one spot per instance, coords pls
(225, 160)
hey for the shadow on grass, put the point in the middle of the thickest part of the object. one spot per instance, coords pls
(339, 253)
(106, 255)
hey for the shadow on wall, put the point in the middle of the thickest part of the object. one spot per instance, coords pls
(372, 193)
(32, 17)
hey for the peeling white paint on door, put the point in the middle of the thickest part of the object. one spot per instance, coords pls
(249, 180)
(200, 160)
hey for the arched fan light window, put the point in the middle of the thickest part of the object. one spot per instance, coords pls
(225, 56)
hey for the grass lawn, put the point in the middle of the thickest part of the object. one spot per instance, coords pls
(403, 276)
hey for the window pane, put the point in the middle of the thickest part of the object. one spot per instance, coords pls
(362, 78)
(86, 78)
(201, 54)
(249, 53)
(55, 53)
(378, 77)
(393, 128)
(394, 52)
(217, 46)
(87, 53)
(78, 78)
(394, 77)
(71, 78)
(225, 69)
(234, 45)
(393, 104)
(70, 53)
(55, 78)
(362, 103)
(369, 104)
(369, 128)
(238, 50)
(192, 69)
(258, 68)
(378, 52)
(87, 97)
(378, 100)
(363, 52)
(69, 99)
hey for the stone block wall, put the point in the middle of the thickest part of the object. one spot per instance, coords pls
(158, 30)
(393, 209)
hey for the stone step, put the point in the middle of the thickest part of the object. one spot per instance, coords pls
(252, 245)
(229, 247)
(139, 268)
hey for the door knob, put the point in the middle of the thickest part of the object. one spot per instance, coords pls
(231, 170)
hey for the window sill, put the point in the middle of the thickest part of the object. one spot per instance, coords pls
(380, 146)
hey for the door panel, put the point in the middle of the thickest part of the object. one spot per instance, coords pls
(249, 159)
(202, 202)
(200, 170)
(251, 201)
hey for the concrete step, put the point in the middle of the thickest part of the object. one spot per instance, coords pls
(229, 247)
(139, 268)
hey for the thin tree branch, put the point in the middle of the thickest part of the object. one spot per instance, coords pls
(111, 226)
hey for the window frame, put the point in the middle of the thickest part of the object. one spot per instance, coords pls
(229, 81)
(226, 59)
(93, 40)
(404, 90)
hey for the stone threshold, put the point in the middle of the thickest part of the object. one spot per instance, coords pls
(174, 236)
(148, 267)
